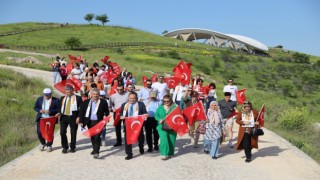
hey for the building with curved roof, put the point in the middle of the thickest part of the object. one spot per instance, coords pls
(214, 38)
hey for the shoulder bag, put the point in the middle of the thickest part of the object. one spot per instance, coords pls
(257, 132)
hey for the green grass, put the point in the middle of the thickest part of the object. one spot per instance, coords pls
(17, 118)
(264, 77)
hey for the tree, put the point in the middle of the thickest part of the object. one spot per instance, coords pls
(73, 42)
(165, 32)
(102, 18)
(89, 17)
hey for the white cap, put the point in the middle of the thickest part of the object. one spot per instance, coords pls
(102, 93)
(47, 91)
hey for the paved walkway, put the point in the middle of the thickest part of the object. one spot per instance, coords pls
(275, 159)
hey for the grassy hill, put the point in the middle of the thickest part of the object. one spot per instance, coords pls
(285, 82)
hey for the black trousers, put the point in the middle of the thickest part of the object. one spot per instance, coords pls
(64, 122)
(246, 142)
(96, 139)
(118, 130)
(150, 126)
(41, 139)
(128, 147)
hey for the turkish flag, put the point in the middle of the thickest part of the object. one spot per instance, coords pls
(69, 67)
(176, 121)
(232, 115)
(74, 58)
(183, 71)
(172, 82)
(241, 97)
(109, 75)
(68, 82)
(47, 127)
(154, 78)
(260, 117)
(77, 82)
(195, 112)
(96, 129)
(105, 59)
(133, 127)
(114, 67)
(205, 89)
(116, 116)
(144, 81)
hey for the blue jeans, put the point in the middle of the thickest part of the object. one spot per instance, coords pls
(210, 99)
(212, 146)
(103, 133)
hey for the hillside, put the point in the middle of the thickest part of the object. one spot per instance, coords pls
(286, 82)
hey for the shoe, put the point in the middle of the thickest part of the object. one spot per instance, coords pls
(165, 158)
(117, 144)
(128, 157)
(49, 149)
(92, 153)
(103, 143)
(230, 145)
(207, 152)
(247, 160)
(150, 150)
(96, 156)
(156, 148)
(214, 157)
(141, 151)
(42, 147)
(72, 150)
(64, 151)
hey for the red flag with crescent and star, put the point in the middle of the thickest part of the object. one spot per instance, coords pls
(260, 117)
(144, 81)
(183, 71)
(154, 78)
(69, 67)
(74, 58)
(232, 115)
(133, 127)
(172, 82)
(97, 128)
(68, 82)
(195, 112)
(114, 67)
(77, 82)
(241, 97)
(47, 127)
(105, 59)
(177, 122)
(116, 116)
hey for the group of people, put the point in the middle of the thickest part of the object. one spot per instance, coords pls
(155, 100)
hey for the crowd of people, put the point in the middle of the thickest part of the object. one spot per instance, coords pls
(96, 100)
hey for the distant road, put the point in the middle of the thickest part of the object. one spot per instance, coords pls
(276, 158)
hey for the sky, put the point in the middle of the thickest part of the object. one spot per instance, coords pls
(294, 24)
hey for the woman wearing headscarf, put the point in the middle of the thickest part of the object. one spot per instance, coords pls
(167, 138)
(213, 130)
(247, 119)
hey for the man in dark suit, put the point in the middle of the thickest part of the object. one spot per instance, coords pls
(92, 111)
(70, 105)
(46, 106)
(128, 109)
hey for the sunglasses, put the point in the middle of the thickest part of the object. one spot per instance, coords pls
(119, 89)
(148, 84)
(189, 90)
(166, 101)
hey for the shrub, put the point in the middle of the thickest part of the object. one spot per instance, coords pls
(162, 54)
(294, 119)
(173, 54)
(73, 42)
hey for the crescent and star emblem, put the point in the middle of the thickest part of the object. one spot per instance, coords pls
(135, 122)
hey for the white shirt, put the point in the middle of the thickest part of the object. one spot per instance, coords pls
(77, 73)
(178, 92)
(161, 89)
(232, 89)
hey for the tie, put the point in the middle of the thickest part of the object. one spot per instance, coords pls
(131, 110)
(67, 112)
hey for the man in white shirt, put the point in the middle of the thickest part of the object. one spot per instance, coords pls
(76, 72)
(101, 70)
(232, 89)
(161, 88)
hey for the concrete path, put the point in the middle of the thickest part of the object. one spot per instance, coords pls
(275, 159)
